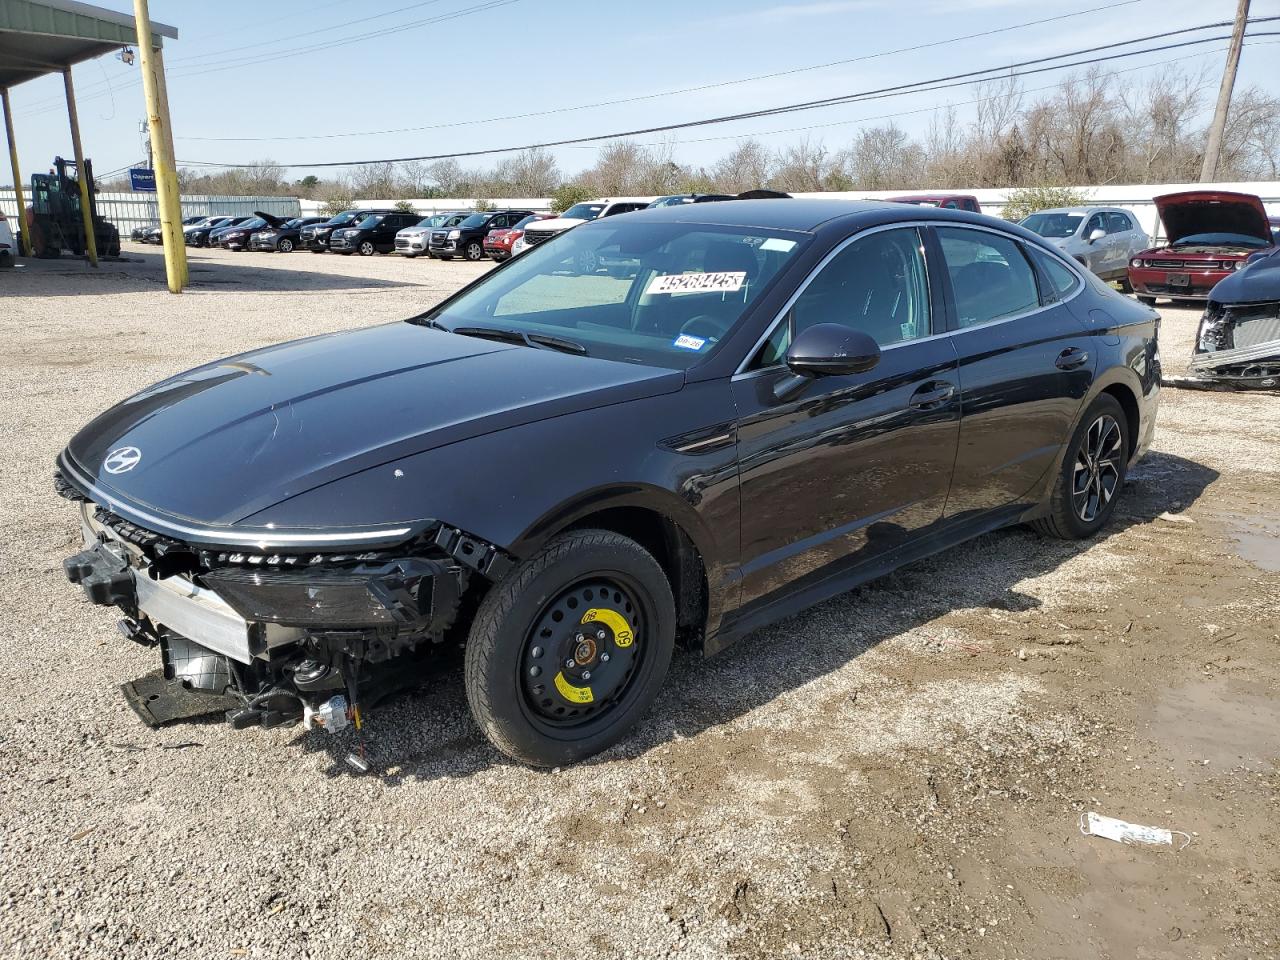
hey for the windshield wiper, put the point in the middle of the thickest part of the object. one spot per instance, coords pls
(545, 340)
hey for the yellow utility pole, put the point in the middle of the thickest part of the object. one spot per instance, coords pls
(24, 237)
(170, 203)
(86, 211)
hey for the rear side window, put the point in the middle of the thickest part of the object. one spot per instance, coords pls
(1062, 282)
(1119, 223)
(990, 277)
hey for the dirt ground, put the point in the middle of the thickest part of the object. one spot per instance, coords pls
(897, 773)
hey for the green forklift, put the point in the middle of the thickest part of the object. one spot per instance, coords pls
(55, 218)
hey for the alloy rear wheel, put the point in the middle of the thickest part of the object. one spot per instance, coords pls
(367, 248)
(285, 245)
(1092, 474)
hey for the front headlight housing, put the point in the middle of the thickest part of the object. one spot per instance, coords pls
(398, 592)
(455, 234)
(1136, 263)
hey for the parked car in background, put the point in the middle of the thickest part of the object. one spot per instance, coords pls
(1208, 236)
(316, 237)
(1104, 239)
(678, 199)
(498, 242)
(774, 403)
(467, 238)
(198, 235)
(8, 246)
(415, 240)
(375, 233)
(139, 233)
(945, 201)
(237, 237)
(284, 237)
(581, 213)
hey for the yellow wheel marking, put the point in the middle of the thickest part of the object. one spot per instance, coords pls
(572, 693)
(622, 635)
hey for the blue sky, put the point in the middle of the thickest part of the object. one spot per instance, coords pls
(233, 72)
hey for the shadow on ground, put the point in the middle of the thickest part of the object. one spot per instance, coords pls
(429, 734)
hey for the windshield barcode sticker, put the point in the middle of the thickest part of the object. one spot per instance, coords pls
(697, 282)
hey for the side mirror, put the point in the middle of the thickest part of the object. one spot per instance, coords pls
(826, 350)
(832, 349)
(1096, 234)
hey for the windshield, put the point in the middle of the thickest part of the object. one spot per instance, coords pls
(657, 294)
(454, 220)
(347, 217)
(254, 222)
(476, 220)
(1054, 226)
(526, 221)
(671, 201)
(584, 211)
(435, 221)
(366, 223)
(1222, 240)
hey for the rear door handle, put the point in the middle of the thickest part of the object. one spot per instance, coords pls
(1071, 358)
(932, 394)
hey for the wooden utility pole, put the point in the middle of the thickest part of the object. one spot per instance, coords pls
(1213, 147)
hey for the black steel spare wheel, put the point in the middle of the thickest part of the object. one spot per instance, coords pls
(570, 649)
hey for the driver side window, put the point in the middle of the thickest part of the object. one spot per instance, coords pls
(878, 284)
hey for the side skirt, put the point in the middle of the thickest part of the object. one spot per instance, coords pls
(739, 625)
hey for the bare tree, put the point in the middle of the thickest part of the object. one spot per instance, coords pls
(747, 167)
(802, 167)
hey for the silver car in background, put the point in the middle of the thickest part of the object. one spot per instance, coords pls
(415, 240)
(1100, 238)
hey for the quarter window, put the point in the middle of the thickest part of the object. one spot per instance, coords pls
(877, 284)
(1061, 280)
(990, 277)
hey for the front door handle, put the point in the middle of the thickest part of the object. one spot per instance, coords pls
(1071, 358)
(932, 394)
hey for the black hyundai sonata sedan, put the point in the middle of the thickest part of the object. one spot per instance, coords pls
(749, 407)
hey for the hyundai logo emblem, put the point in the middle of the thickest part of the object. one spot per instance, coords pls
(122, 460)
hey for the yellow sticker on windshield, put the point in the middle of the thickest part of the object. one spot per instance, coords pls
(571, 693)
(622, 635)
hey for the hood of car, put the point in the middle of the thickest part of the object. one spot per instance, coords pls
(554, 225)
(224, 441)
(1212, 211)
(1258, 282)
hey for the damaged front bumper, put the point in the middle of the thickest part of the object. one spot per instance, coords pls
(1238, 345)
(281, 638)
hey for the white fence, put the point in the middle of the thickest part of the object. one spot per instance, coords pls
(129, 210)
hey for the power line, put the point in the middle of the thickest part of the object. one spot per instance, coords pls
(683, 90)
(940, 83)
(937, 107)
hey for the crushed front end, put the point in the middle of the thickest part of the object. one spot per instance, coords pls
(1238, 345)
(275, 636)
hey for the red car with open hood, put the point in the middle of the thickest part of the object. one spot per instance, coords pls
(1209, 235)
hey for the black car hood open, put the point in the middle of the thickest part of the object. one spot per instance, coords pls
(221, 442)
(1212, 211)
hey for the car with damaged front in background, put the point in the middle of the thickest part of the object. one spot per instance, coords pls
(763, 404)
(1238, 341)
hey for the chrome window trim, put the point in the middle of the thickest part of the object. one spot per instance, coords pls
(742, 373)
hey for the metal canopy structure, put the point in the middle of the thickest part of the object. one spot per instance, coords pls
(41, 37)
(38, 37)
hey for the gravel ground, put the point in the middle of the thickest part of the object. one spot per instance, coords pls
(896, 773)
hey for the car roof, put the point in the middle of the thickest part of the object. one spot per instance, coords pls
(1083, 208)
(805, 214)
